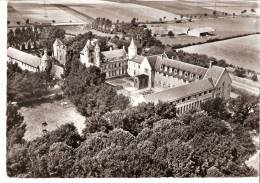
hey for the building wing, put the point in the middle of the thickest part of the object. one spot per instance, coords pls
(24, 57)
(215, 72)
(180, 92)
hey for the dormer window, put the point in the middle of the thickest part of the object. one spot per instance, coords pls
(191, 75)
(170, 69)
(180, 72)
(175, 71)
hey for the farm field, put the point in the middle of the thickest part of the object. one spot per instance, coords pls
(124, 11)
(34, 116)
(240, 26)
(243, 51)
(176, 7)
(229, 6)
(35, 13)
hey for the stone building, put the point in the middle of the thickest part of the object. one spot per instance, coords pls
(27, 61)
(59, 51)
(113, 63)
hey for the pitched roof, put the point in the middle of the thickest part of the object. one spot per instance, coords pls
(58, 42)
(24, 57)
(215, 72)
(152, 61)
(114, 53)
(179, 92)
(202, 29)
(138, 58)
(179, 65)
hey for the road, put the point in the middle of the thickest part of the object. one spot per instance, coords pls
(246, 84)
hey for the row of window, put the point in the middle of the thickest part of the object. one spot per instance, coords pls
(25, 66)
(188, 107)
(180, 72)
(114, 65)
(116, 73)
(194, 96)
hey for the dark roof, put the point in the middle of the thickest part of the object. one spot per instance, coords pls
(179, 92)
(215, 72)
(114, 53)
(138, 59)
(152, 61)
(142, 76)
(24, 57)
(179, 65)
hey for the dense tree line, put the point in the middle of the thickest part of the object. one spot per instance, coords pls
(23, 35)
(144, 141)
(23, 85)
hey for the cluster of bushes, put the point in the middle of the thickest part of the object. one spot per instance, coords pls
(144, 141)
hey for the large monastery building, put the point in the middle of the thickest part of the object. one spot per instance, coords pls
(184, 84)
(113, 62)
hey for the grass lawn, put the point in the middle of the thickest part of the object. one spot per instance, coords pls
(55, 115)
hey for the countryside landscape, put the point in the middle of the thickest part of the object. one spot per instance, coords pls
(140, 88)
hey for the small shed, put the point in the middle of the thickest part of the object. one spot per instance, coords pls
(202, 31)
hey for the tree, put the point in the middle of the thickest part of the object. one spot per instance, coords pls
(170, 34)
(253, 10)
(27, 21)
(240, 72)
(216, 108)
(15, 126)
(53, 21)
(254, 77)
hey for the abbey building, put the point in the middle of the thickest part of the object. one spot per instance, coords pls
(185, 84)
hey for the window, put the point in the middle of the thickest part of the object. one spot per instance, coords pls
(210, 91)
(188, 98)
(205, 92)
(175, 71)
(200, 94)
(119, 64)
(191, 75)
(146, 70)
(183, 100)
(186, 74)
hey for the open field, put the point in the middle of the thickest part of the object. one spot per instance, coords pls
(35, 12)
(229, 6)
(124, 11)
(243, 51)
(176, 7)
(35, 115)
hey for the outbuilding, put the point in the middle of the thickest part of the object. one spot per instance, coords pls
(202, 31)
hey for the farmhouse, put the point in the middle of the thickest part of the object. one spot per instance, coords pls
(113, 62)
(27, 61)
(202, 31)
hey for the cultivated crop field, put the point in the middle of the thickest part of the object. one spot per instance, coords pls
(123, 11)
(34, 116)
(229, 6)
(243, 51)
(176, 7)
(35, 12)
(225, 27)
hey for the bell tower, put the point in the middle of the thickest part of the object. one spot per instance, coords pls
(132, 49)
(44, 61)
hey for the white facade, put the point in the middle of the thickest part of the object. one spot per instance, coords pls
(59, 51)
